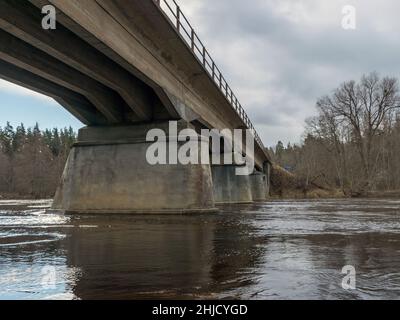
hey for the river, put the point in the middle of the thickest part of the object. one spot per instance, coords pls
(274, 250)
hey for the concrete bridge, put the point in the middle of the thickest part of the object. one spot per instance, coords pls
(123, 67)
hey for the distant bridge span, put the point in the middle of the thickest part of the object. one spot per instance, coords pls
(122, 67)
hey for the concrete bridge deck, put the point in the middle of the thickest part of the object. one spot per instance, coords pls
(120, 63)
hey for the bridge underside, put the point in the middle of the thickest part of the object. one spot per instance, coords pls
(114, 77)
(60, 64)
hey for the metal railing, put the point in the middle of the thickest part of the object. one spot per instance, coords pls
(183, 27)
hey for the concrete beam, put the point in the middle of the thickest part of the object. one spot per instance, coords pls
(26, 57)
(76, 104)
(23, 20)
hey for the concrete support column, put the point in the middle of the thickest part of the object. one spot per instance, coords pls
(267, 170)
(258, 186)
(107, 172)
(229, 187)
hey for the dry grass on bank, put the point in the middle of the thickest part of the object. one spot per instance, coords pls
(287, 185)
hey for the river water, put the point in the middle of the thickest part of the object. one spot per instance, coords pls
(275, 250)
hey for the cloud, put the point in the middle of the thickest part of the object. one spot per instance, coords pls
(8, 87)
(280, 56)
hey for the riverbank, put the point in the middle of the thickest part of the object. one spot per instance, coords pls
(16, 196)
(311, 194)
(384, 194)
(285, 185)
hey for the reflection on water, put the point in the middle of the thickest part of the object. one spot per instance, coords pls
(275, 250)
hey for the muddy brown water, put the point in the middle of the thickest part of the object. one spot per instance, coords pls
(274, 250)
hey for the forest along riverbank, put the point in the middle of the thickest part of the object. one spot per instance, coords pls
(32, 162)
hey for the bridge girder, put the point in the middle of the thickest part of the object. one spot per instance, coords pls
(75, 103)
(23, 20)
(37, 62)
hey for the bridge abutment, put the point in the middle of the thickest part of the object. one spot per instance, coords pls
(107, 172)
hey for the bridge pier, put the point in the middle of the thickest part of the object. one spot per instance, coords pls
(107, 172)
(229, 187)
(258, 183)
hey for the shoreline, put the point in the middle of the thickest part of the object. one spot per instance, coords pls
(286, 195)
(323, 194)
(6, 197)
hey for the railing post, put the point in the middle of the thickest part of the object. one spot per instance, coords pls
(178, 18)
(192, 38)
(216, 73)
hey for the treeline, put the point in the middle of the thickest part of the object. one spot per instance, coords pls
(354, 142)
(31, 160)
(353, 145)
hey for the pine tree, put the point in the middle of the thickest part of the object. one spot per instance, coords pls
(7, 138)
(19, 138)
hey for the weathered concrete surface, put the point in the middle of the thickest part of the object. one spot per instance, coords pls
(107, 172)
(258, 185)
(229, 187)
(267, 171)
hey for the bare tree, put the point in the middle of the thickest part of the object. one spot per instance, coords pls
(363, 108)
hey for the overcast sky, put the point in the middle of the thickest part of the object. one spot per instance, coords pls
(279, 56)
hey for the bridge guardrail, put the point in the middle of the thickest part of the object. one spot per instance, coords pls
(183, 27)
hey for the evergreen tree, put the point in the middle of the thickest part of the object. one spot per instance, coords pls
(19, 138)
(31, 160)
